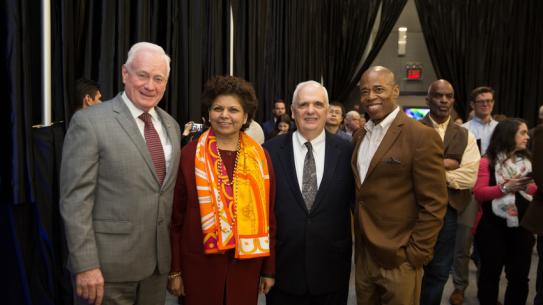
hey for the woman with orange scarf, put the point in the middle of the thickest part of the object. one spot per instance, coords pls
(223, 221)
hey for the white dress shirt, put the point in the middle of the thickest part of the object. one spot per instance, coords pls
(481, 130)
(300, 150)
(162, 134)
(372, 140)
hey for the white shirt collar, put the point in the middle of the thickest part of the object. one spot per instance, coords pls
(385, 123)
(135, 111)
(478, 120)
(300, 140)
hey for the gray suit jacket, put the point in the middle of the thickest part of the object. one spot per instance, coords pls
(115, 211)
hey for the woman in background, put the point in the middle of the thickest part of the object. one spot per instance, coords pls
(504, 187)
(282, 125)
(223, 220)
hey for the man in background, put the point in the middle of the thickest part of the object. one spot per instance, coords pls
(481, 126)
(353, 122)
(87, 93)
(279, 108)
(401, 195)
(334, 119)
(461, 161)
(118, 172)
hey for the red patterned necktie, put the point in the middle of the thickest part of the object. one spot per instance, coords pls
(154, 146)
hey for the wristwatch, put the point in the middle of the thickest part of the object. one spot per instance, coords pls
(503, 188)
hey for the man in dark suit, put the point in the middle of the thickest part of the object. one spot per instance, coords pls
(119, 165)
(461, 161)
(279, 108)
(401, 195)
(313, 201)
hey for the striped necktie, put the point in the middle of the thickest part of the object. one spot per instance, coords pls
(154, 146)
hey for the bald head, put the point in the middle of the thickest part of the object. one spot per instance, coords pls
(378, 92)
(380, 70)
(440, 83)
(440, 99)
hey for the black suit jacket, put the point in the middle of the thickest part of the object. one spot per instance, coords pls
(313, 249)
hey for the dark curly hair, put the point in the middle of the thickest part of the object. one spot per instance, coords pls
(503, 140)
(234, 86)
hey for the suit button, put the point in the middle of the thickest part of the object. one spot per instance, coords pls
(308, 221)
(160, 220)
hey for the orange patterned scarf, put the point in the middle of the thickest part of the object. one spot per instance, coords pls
(233, 215)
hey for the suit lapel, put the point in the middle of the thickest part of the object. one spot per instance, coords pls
(287, 162)
(330, 163)
(128, 124)
(389, 139)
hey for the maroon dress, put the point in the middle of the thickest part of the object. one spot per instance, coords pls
(213, 279)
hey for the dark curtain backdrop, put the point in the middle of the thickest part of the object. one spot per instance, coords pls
(348, 29)
(279, 43)
(390, 12)
(96, 37)
(215, 38)
(496, 43)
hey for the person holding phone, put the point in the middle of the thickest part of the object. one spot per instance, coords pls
(504, 188)
(191, 131)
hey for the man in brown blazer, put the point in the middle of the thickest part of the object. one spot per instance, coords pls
(401, 195)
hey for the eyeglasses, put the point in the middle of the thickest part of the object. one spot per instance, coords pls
(481, 102)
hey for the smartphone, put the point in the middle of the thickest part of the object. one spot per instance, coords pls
(196, 127)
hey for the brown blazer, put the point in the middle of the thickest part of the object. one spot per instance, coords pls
(532, 219)
(401, 204)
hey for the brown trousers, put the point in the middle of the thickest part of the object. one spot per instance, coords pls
(379, 286)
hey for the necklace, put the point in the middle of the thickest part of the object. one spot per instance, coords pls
(222, 175)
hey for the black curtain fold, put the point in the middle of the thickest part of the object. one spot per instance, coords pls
(98, 34)
(215, 39)
(281, 43)
(257, 55)
(349, 25)
(496, 43)
(390, 12)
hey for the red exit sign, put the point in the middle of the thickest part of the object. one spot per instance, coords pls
(414, 73)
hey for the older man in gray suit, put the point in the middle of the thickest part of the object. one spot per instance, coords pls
(118, 172)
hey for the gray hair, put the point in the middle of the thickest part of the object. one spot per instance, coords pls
(150, 47)
(352, 113)
(308, 83)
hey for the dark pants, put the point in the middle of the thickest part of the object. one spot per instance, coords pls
(436, 273)
(539, 279)
(499, 247)
(279, 297)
